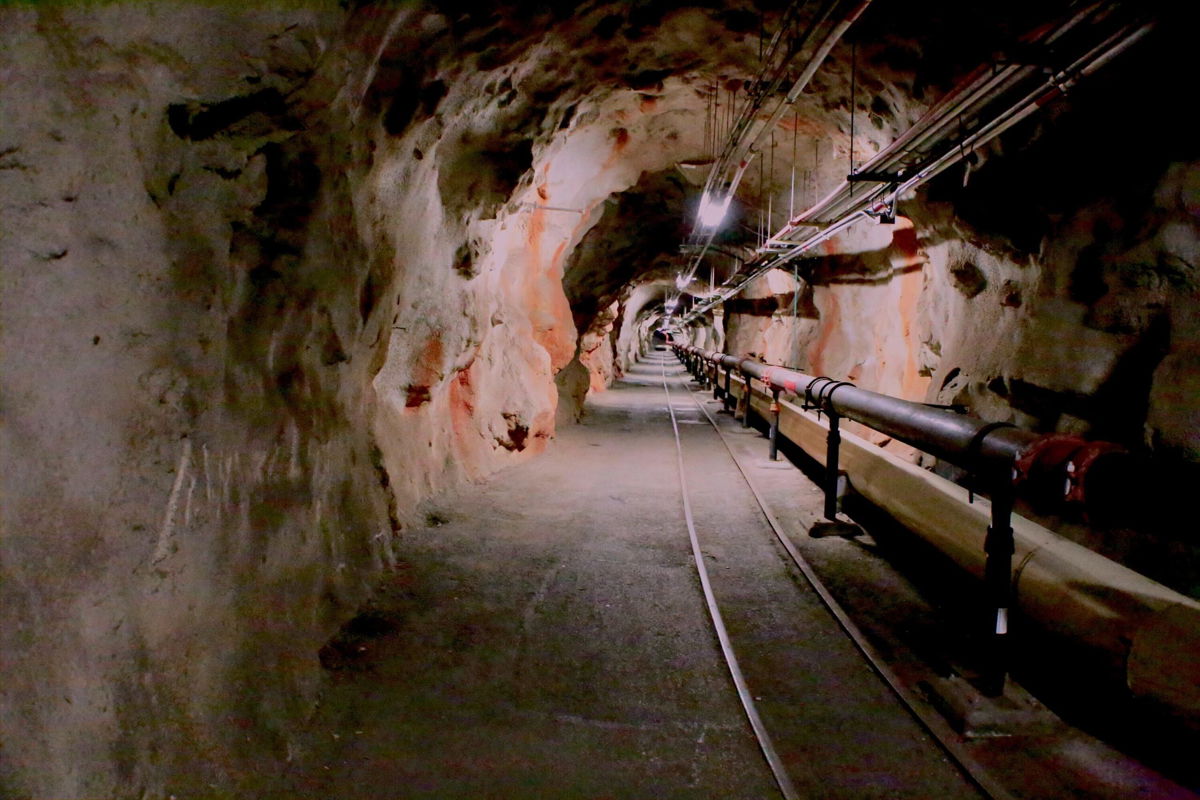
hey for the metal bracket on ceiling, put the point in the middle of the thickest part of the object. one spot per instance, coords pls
(884, 215)
(876, 177)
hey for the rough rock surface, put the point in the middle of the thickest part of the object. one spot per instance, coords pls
(190, 494)
(271, 278)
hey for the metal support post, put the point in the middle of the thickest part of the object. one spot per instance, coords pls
(833, 443)
(727, 400)
(773, 449)
(997, 577)
(746, 401)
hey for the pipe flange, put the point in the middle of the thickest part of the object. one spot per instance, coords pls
(1047, 456)
(1080, 467)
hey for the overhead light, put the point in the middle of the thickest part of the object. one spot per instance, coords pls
(712, 211)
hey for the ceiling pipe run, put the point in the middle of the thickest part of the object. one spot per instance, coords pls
(993, 99)
(749, 131)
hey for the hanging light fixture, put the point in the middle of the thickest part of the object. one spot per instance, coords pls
(712, 210)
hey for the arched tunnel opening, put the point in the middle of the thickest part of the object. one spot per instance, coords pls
(435, 399)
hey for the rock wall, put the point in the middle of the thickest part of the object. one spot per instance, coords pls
(640, 307)
(270, 279)
(191, 499)
(597, 349)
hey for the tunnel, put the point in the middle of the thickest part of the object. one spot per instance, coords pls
(743, 398)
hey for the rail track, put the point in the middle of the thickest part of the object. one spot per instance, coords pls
(919, 709)
(924, 656)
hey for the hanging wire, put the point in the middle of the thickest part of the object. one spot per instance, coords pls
(816, 176)
(795, 136)
(716, 115)
(713, 124)
(744, 128)
(716, 104)
(770, 192)
(708, 125)
(853, 104)
(718, 109)
(733, 107)
(963, 155)
(796, 290)
(729, 115)
(762, 34)
(716, 124)
(761, 224)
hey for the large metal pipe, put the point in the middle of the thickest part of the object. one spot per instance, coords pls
(1146, 633)
(968, 442)
(1133, 628)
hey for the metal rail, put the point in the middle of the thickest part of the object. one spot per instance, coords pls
(778, 770)
(920, 710)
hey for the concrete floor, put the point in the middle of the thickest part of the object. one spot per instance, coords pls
(546, 636)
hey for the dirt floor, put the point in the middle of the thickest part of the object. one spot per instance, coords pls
(546, 636)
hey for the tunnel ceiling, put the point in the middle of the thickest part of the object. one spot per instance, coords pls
(494, 95)
(498, 96)
(639, 232)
